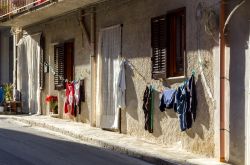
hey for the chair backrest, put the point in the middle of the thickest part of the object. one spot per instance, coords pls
(16, 95)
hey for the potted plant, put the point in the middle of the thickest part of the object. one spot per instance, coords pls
(8, 92)
(53, 104)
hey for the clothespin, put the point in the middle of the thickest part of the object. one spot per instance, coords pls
(193, 72)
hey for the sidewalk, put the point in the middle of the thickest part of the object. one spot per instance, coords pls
(132, 146)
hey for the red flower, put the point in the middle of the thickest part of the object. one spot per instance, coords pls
(50, 98)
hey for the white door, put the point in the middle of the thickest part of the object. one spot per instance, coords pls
(107, 76)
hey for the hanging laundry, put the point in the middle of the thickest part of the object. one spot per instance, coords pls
(121, 87)
(82, 91)
(181, 106)
(70, 99)
(148, 108)
(193, 96)
(167, 99)
(185, 103)
(77, 85)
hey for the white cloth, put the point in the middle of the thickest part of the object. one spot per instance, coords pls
(109, 93)
(121, 83)
(28, 72)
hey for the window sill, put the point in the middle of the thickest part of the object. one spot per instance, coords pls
(178, 79)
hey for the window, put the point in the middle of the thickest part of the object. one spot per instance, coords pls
(64, 62)
(168, 44)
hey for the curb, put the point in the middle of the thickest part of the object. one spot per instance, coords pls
(105, 145)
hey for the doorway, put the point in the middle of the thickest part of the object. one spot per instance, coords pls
(107, 113)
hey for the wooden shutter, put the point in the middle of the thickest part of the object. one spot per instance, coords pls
(59, 67)
(159, 47)
(69, 60)
(176, 44)
(42, 54)
(82, 90)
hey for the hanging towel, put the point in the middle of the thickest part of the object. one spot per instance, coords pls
(181, 106)
(185, 103)
(193, 97)
(77, 85)
(70, 99)
(167, 99)
(121, 87)
(147, 108)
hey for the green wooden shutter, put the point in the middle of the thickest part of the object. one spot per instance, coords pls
(159, 47)
(59, 67)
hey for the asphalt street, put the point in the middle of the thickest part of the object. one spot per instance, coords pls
(21, 144)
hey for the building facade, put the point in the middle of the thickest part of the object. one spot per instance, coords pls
(162, 44)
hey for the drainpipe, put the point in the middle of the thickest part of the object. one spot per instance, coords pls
(14, 60)
(15, 31)
(222, 82)
(93, 67)
(223, 24)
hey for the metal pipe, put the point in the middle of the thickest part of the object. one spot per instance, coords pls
(16, 33)
(93, 66)
(15, 61)
(222, 82)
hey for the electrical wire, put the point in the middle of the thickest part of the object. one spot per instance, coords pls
(231, 14)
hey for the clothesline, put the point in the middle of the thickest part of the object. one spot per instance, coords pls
(128, 63)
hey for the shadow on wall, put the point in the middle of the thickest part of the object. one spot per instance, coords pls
(131, 100)
(157, 116)
(203, 116)
(238, 44)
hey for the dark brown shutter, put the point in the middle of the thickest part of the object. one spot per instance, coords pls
(82, 90)
(42, 54)
(69, 60)
(59, 67)
(176, 44)
(159, 47)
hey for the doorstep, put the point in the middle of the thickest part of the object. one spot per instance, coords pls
(132, 146)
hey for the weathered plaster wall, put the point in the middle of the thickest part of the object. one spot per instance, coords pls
(237, 53)
(135, 15)
(60, 30)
